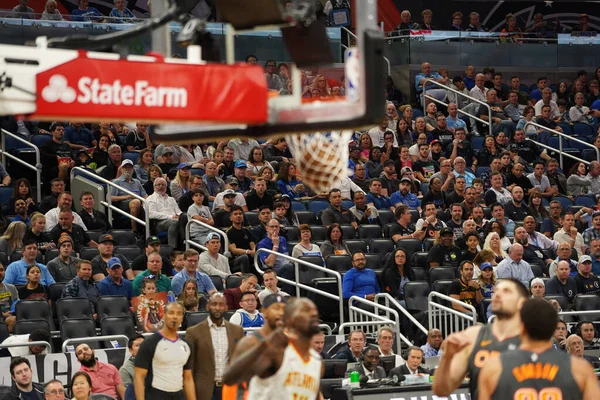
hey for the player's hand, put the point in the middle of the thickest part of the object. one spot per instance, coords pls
(277, 341)
(454, 344)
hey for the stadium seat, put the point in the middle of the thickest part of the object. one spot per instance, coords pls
(228, 314)
(538, 270)
(369, 231)
(415, 295)
(88, 253)
(442, 286)
(40, 139)
(113, 306)
(233, 281)
(328, 385)
(78, 328)
(347, 204)
(193, 318)
(480, 171)
(441, 273)
(298, 206)
(582, 130)
(317, 205)
(410, 246)
(589, 155)
(73, 307)
(24, 327)
(381, 246)
(348, 231)
(292, 233)
(356, 245)
(319, 232)
(218, 282)
(129, 252)
(341, 264)
(428, 244)
(477, 142)
(386, 217)
(196, 171)
(34, 310)
(334, 368)
(55, 290)
(562, 300)
(4, 259)
(123, 237)
(17, 255)
(420, 260)
(417, 113)
(117, 326)
(3, 331)
(566, 128)
(564, 201)
(424, 188)
(131, 155)
(585, 201)
(420, 274)
(252, 218)
(51, 255)
(588, 302)
(328, 309)
(165, 251)
(306, 217)
(374, 261)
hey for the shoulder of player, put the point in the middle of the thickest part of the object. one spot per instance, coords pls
(583, 373)
(245, 344)
(470, 334)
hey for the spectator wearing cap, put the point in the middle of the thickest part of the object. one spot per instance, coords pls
(444, 252)
(537, 287)
(211, 262)
(153, 271)
(586, 281)
(354, 159)
(140, 262)
(83, 286)
(404, 196)
(245, 184)
(65, 200)
(180, 184)
(221, 215)
(199, 212)
(164, 211)
(169, 160)
(93, 219)
(126, 201)
(115, 284)
(55, 155)
(375, 196)
(389, 182)
(106, 248)
(593, 232)
(241, 242)
(335, 213)
(190, 271)
(64, 267)
(78, 235)
(16, 272)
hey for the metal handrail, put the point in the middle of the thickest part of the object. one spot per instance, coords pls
(473, 99)
(36, 343)
(189, 242)
(560, 141)
(464, 36)
(93, 339)
(108, 203)
(38, 164)
(545, 146)
(298, 285)
(349, 32)
(440, 307)
(355, 311)
(388, 298)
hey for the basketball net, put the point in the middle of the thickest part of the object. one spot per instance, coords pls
(321, 157)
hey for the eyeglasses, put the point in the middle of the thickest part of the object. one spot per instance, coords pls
(56, 392)
(249, 301)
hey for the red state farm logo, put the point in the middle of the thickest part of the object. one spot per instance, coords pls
(92, 91)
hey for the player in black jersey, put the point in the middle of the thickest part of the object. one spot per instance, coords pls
(536, 370)
(467, 351)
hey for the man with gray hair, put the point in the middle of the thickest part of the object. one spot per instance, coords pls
(547, 101)
(514, 266)
(385, 340)
(115, 158)
(164, 211)
(594, 177)
(54, 390)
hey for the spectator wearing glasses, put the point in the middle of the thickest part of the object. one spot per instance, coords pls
(273, 80)
(54, 390)
(563, 254)
(247, 316)
(190, 271)
(360, 281)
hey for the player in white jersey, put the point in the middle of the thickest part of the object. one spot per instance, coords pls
(283, 366)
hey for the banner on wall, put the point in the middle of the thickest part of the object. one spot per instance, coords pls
(61, 366)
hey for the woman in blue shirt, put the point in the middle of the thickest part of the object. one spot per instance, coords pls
(288, 183)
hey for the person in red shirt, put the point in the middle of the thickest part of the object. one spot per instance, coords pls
(105, 377)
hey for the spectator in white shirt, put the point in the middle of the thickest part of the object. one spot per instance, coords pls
(164, 209)
(211, 262)
(514, 266)
(270, 281)
(65, 199)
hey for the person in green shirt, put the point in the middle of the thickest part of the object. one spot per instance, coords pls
(154, 266)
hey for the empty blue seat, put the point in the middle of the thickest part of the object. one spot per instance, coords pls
(317, 205)
(298, 206)
(477, 142)
(582, 130)
(590, 155)
(417, 113)
(480, 171)
(566, 128)
(196, 171)
(586, 201)
(131, 155)
(40, 139)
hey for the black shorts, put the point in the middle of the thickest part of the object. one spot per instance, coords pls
(155, 394)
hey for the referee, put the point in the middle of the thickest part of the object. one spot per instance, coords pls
(163, 370)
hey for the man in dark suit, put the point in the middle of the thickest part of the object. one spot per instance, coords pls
(209, 360)
(413, 363)
(369, 364)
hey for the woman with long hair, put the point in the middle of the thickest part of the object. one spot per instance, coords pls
(502, 141)
(365, 143)
(287, 182)
(104, 129)
(492, 242)
(421, 128)
(577, 182)
(190, 290)
(13, 237)
(320, 84)
(528, 116)
(36, 232)
(142, 168)
(256, 161)
(488, 152)
(290, 215)
(407, 115)
(495, 226)
(153, 172)
(536, 209)
(397, 273)
(81, 386)
(562, 92)
(404, 160)
(335, 242)
(404, 133)
(283, 71)
(34, 290)
(487, 280)
(100, 154)
(482, 257)
(267, 174)
(180, 185)
(22, 191)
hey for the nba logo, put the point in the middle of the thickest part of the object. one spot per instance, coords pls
(352, 74)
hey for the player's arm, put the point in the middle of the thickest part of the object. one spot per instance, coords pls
(139, 377)
(585, 378)
(188, 385)
(455, 361)
(488, 378)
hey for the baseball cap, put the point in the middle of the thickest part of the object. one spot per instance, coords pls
(405, 180)
(513, 146)
(126, 162)
(352, 148)
(388, 162)
(240, 164)
(232, 179)
(228, 192)
(211, 236)
(485, 265)
(273, 299)
(446, 231)
(106, 238)
(285, 197)
(165, 150)
(152, 240)
(183, 165)
(537, 280)
(585, 258)
(114, 262)
(64, 237)
(405, 170)
(595, 214)
(434, 142)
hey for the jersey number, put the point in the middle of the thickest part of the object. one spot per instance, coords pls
(551, 393)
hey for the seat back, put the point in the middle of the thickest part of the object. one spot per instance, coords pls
(385, 217)
(442, 286)
(374, 261)
(233, 281)
(340, 263)
(252, 218)
(562, 301)
(218, 282)
(369, 231)
(88, 253)
(3, 332)
(410, 246)
(34, 310)
(117, 326)
(78, 328)
(415, 295)
(356, 245)
(113, 306)
(420, 274)
(588, 302)
(420, 260)
(428, 244)
(129, 252)
(319, 232)
(73, 308)
(348, 231)
(441, 273)
(123, 237)
(381, 246)
(193, 318)
(306, 217)
(24, 327)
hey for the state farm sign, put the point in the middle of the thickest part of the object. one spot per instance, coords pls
(143, 91)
